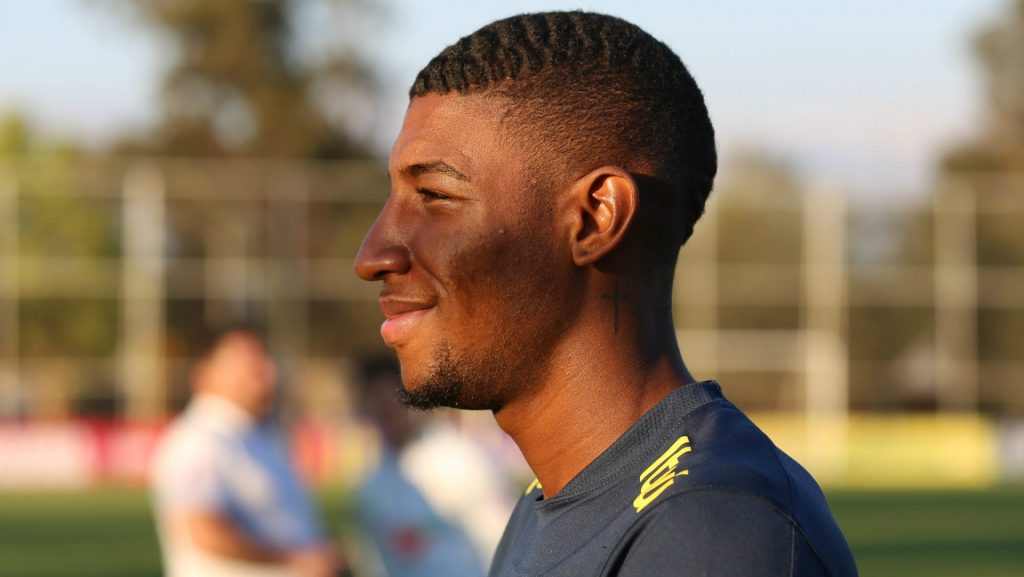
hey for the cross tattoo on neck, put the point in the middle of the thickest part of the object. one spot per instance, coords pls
(616, 296)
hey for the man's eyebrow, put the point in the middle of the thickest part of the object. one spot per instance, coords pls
(436, 166)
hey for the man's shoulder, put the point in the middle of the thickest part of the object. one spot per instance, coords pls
(188, 445)
(717, 531)
(716, 446)
(186, 433)
(690, 508)
(722, 486)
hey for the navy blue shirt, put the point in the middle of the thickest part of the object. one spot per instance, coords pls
(693, 488)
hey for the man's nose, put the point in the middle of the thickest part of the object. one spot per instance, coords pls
(382, 252)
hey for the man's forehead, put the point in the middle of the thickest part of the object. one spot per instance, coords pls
(451, 128)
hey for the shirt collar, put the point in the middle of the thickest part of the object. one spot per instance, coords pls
(220, 412)
(639, 444)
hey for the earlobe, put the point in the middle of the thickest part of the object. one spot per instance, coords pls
(605, 202)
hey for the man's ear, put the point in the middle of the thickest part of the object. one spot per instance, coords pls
(603, 203)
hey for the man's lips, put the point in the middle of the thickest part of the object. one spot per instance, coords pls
(400, 317)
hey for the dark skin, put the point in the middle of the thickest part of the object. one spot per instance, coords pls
(495, 287)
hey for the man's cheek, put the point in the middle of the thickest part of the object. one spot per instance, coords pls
(477, 265)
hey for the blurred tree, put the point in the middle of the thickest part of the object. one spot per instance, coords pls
(756, 241)
(759, 208)
(273, 78)
(989, 169)
(64, 236)
(55, 222)
(267, 79)
(999, 48)
(14, 135)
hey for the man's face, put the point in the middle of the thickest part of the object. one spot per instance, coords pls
(241, 370)
(475, 276)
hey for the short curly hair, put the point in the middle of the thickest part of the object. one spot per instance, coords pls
(588, 90)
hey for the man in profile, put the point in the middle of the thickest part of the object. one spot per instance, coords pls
(228, 502)
(548, 171)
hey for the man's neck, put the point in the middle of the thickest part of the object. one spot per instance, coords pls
(584, 405)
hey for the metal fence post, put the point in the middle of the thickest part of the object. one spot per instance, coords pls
(824, 318)
(142, 292)
(956, 298)
(10, 297)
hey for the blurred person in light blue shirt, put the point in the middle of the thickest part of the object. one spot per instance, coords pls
(228, 501)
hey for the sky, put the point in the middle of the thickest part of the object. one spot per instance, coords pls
(861, 95)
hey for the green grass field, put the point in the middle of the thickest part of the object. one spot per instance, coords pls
(110, 533)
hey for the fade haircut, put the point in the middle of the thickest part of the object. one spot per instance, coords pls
(587, 90)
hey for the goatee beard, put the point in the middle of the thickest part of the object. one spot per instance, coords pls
(442, 387)
(465, 382)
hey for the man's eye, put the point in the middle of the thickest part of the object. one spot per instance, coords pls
(432, 194)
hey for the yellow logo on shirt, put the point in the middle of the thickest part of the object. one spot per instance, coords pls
(662, 473)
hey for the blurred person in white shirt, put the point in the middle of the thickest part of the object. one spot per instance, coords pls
(435, 505)
(227, 499)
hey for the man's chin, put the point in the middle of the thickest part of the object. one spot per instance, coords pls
(444, 381)
(431, 395)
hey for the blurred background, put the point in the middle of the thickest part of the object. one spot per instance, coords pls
(857, 285)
